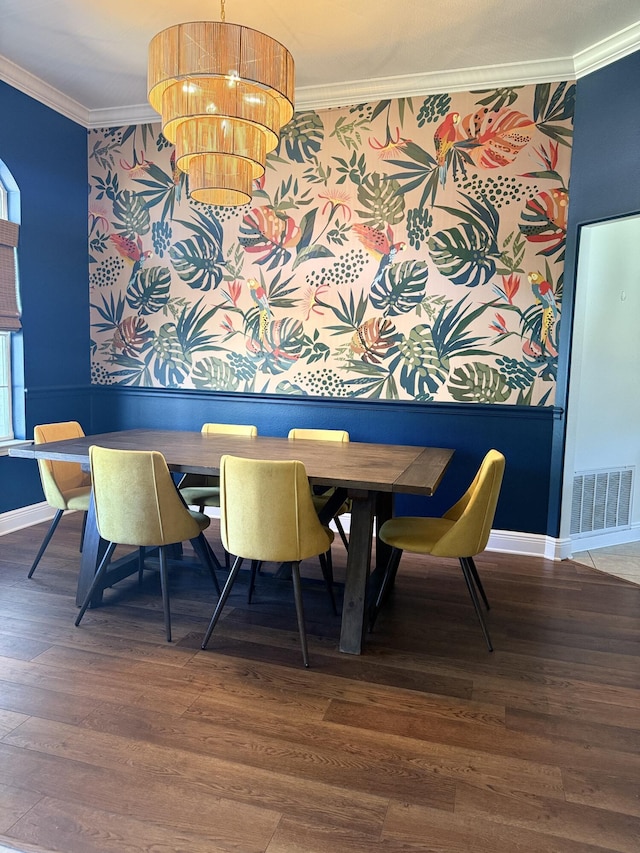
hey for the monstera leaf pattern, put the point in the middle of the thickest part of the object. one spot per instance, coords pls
(215, 373)
(401, 289)
(422, 369)
(148, 290)
(197, 262)
(478, 383)
(464, 254)
(406, 249)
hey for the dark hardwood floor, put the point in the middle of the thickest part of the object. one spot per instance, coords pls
(113, 741)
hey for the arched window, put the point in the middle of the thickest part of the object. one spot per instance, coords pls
(9, 300)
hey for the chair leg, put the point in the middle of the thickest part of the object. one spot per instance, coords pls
(472, 566)
(222, 600)
(207, 557)
(343, 535)
(297, 594)
(385, 586)
(327, 573)
(102, 568)
(468, 576)
(84, 527)
(47, 539)
(164, 584)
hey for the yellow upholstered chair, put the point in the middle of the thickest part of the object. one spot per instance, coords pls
(267, 515)
(137, 503)
(320, 500)
(462, 532)
(65, 484)
(204, 490)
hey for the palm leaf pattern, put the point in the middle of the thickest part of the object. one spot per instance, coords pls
(328, 313)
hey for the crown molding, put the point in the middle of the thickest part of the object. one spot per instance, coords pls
(414, 85)
(608, 50)
(41, 91)
(591, 59)
(120, 116)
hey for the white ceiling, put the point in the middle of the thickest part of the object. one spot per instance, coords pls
(88, 59)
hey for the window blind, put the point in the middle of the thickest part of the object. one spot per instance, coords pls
(9, 313)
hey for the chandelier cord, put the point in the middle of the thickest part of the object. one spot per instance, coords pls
(223, 16)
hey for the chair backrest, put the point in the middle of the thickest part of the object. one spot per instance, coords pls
(474, 512)
(318, 434)
(136, 499)
(266, 511)
(230, 429)
(59, 477)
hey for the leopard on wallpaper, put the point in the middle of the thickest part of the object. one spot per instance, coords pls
(408, 249)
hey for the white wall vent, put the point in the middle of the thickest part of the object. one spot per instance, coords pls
(602, 500)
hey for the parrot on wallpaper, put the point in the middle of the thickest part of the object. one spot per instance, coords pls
(131, 251)
(444, 137)
(544, 294)
(259, 296)
(379, 244)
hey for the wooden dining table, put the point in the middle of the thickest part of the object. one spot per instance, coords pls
(369, 474)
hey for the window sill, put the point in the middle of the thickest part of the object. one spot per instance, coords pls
(18, 442)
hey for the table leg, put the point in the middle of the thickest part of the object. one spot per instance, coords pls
(355, 608)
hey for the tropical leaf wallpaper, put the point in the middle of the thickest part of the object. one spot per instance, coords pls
(406, 249)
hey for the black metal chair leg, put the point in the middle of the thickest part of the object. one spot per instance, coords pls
(224, 595)
(164, 584)
(297, 594)
(468, 576)
(82, 532)
(385, 586)
(476, 577)
(102, 568)
(47, 539)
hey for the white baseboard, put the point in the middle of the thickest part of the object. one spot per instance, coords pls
(504, 541)
(16, 519)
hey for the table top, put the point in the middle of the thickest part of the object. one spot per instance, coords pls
(353, 465)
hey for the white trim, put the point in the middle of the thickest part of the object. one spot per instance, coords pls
(415, 85)
(529, 545)
(607, 51)
(25, 516)
(43, 92)
(590, 59)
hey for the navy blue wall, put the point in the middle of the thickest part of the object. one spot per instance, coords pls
(47, 156)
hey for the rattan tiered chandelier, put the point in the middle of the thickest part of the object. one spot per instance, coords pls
(223, 91)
